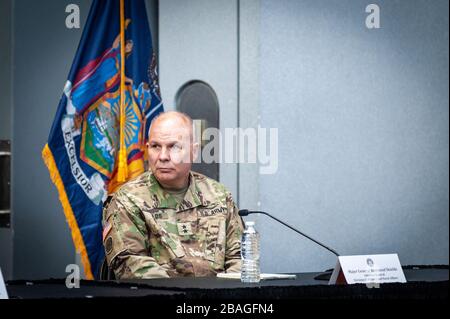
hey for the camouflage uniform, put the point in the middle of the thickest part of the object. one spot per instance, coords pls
(148, 234)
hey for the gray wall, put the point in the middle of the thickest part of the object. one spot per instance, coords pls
(5, 69)
(249, 21)
(363, 128)
(5, 119)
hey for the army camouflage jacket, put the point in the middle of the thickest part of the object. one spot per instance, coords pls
(148, 234)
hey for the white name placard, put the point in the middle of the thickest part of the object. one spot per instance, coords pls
(367, 269)
(3, 292)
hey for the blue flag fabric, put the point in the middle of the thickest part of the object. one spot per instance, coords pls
(82, 149)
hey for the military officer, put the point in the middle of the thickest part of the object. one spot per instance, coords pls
(171, 221)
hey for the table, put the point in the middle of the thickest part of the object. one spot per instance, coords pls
(424, 283)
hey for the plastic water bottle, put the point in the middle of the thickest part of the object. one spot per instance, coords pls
(250, 254)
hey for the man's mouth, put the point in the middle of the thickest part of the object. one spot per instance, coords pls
(164, 169)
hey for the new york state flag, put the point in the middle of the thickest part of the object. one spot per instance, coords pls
(97, 141)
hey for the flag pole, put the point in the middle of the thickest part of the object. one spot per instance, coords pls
(122, 171)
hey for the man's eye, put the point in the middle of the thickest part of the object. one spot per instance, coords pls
(176, 147)
(154, 146)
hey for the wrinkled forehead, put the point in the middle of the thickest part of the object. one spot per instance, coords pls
(170, 130)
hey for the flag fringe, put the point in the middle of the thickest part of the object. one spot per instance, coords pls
(77, 238)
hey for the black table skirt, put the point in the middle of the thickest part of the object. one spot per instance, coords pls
(424, 283)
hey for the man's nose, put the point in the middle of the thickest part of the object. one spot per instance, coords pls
(164, 155)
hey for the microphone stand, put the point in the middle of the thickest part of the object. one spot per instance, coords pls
(324, 276)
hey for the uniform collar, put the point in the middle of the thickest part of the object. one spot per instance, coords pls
(163, 199)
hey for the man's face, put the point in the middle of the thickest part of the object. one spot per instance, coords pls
(171, 152)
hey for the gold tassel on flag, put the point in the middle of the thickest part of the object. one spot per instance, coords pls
(122, 171)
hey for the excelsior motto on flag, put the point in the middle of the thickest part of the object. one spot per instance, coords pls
(98, 137)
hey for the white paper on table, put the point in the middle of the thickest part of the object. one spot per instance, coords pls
(237, 276)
